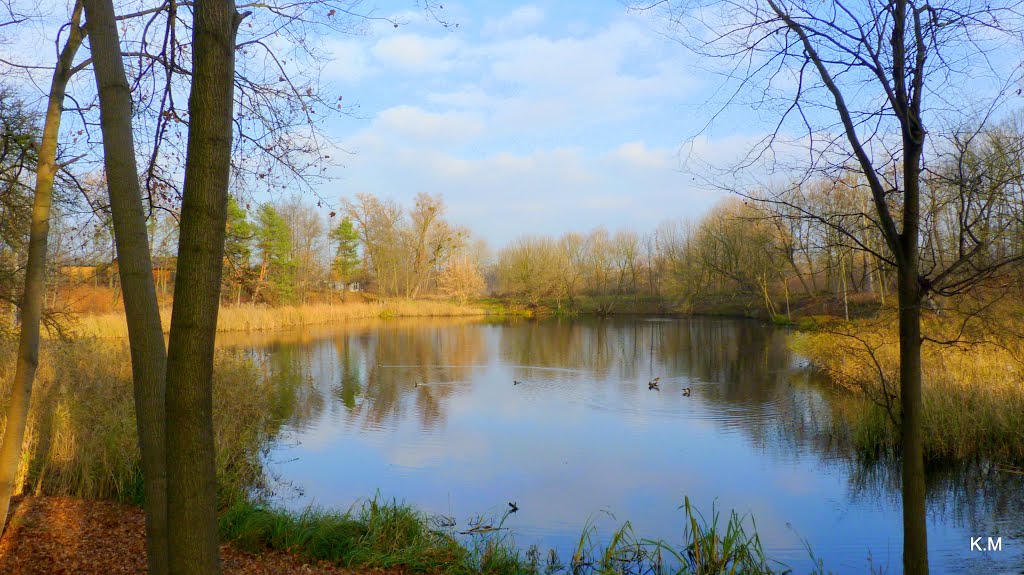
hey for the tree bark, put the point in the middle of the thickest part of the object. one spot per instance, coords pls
(915, 540)
(910, 295)
(145, 335)
(35, 271)
(192, 490)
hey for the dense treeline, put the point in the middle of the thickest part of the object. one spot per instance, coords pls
(811, 239)
(815, 239)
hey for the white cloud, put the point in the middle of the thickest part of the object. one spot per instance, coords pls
(543, 83)
(466, 97)
(503, 195)
(638, 155)
(521, 19)
(410, 122)
(526, 128)
(415, 53)
(350, 61)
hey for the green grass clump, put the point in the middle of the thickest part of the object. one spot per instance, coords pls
(376, 534)
(381, 535)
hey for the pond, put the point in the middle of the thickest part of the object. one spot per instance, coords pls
(427, 412)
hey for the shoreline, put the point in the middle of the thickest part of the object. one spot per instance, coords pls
(253, 318)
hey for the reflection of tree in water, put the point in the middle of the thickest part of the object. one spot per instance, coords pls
(379, 369)
(736, 355)
(748, 361)
(974, 495)
(296, 398)
(599, 348)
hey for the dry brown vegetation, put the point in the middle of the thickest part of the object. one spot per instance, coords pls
(972, 381)
(81, 435)
(246, 317)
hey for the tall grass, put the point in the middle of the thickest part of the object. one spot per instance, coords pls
(246, 318)
(81, 439)
(710, 550)
(383, 535)
(972, 391)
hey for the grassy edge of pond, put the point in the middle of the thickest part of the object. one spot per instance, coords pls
(264, 318)
(972, 390)
(389, 534)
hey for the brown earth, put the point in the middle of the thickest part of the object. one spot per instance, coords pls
(64, 536)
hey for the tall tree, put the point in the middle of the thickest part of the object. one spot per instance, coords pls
(305, 227)
(35, 267)
(346, 254)
(191, 470)
(19, 137)
(148, 354)
(854, 77)
(238, 247)
(273, 240)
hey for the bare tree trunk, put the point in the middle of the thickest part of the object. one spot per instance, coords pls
(915, 542)
(35, 272)
(148, 355)
(192, 489)
(910, 293)
(846, 299)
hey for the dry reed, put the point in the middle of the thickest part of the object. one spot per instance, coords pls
(972, 390)
(81, 437)
(247, 318)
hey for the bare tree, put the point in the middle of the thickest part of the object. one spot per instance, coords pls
(870, 85)
(148, 354)
(35, 269)
(191, 471)
(528, 269)
(461, 279)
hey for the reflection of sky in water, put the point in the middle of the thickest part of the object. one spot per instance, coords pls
(583, 434)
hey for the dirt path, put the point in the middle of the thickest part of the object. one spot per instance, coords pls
(63, 536)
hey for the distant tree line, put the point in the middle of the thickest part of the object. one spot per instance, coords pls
(816, 237)
(813, 238)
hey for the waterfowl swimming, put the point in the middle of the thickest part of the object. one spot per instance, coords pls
(686, 392)
(514, 382)
(514, 507)
(653, 385)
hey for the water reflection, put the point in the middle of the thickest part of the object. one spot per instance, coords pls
(425, 410)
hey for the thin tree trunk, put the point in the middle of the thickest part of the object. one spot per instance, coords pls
(915, 541)
(910, 294)
(135, 268)
(846, 299)
(192, 488)
(789, 316)
(35, 272)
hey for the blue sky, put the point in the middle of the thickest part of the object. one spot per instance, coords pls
(533, 118)
(528, 118)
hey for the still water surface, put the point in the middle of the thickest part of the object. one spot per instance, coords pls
(425, 411)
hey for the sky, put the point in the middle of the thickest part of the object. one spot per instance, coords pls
(536, 117)
(528, 118)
